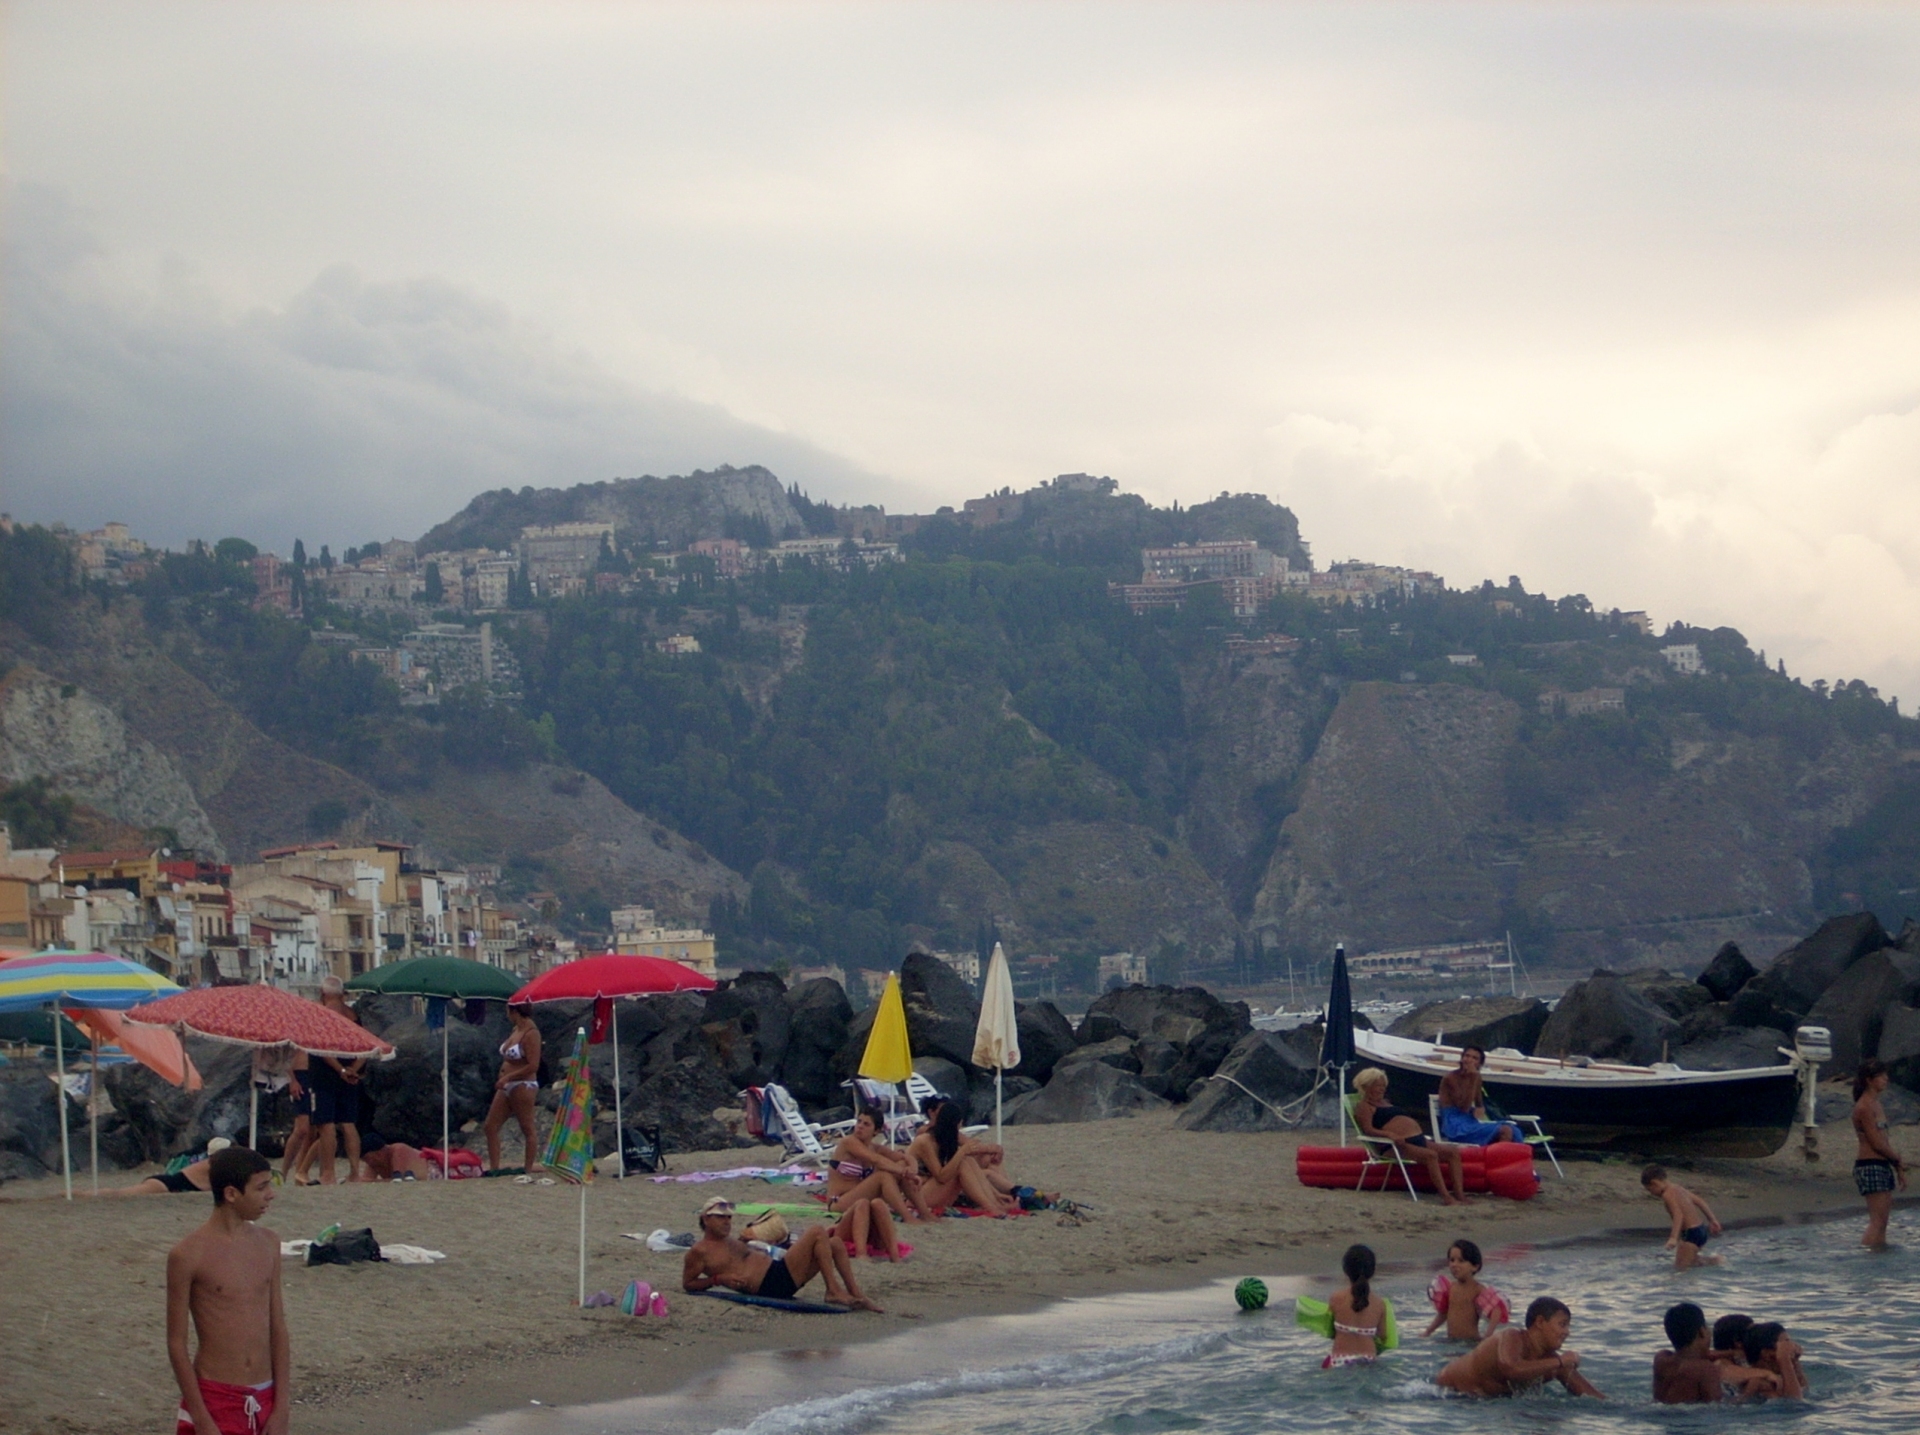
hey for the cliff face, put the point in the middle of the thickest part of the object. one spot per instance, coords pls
(678, 509)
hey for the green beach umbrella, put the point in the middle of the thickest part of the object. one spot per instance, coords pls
(439, 977)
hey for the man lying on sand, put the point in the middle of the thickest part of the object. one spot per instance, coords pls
(1509, 1360)
(1689, 1375)
(719, 1258)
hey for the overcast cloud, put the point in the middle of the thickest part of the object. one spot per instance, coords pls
(1623, 300)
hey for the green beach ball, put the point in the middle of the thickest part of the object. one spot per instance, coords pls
(1251, 1293)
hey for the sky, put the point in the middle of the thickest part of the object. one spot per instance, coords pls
(1623, 299)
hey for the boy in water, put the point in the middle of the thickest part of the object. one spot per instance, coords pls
(1770, 1350)
(1509, 1360)
(225, 1278)
(1694, 1223)
(1460, 1301)
(1689, 1375)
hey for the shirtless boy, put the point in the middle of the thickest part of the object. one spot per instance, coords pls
(1689, 1375)
(719, 1258)
(225, 1278)
(1509, 1360)
(1694, 1223)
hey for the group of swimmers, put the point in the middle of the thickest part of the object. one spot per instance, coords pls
(1736, 1356)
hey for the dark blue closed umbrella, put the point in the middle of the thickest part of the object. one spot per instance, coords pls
(1336, 1045)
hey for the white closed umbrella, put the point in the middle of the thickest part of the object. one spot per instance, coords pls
(996, 1041)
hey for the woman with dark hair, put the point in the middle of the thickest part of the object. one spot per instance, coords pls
(515, 1088)
(863, 1170)
(954, 1165)
(1878, 1170)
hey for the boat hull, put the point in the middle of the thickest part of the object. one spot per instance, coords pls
(1747, 1113)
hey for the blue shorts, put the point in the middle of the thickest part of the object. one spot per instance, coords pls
(1460, 1127)
(1696, 1235)
(334, 1103)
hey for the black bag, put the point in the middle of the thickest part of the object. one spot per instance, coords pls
(345, 1249)
(643, 1150)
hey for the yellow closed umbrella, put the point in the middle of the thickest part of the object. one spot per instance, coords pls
(887, 1057)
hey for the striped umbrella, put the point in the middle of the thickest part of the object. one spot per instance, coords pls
(77, 979)
(569, 1150)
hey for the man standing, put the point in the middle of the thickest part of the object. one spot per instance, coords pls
(720, 1258)
(335, 1090)
(225, 1278)
(1509, 1360)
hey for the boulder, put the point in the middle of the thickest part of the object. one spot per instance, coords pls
(1160, 1068)
(1201, 1028)
(1085, 1091)
(1117, 1053)
(748, 1023)
(1902, 1107)
(1909, 939)
(1487, 1022)
(1900, 1041)
(1726, 973)
(1605, 1018)
(1267, 1070)
(406, 1091)
(1793, 981)
(1045, 1037)
(680, 1098)
(948, 1079)
(1854, 1008)
(1676, 996)
(1735, 1048)
(1098, 1026)
(1704, 1023)
(30, 1121)
(942, 1011)
(981, 1108)
(818, 1014)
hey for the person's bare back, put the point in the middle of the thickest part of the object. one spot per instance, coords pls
(224, 1280)
(1510, 1360)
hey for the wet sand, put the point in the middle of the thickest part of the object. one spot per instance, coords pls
(404, 1350)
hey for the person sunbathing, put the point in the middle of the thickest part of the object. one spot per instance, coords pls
(1510, 1361)
(194, 1177)
(720, 1258)
(952, 1166)
(396, 1161)
(862, 1170)
(1385, 1122)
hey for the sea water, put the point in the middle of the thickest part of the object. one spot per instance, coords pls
(1191, 1361)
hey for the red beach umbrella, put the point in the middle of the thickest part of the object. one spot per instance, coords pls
(599, 980)
(262, 1016)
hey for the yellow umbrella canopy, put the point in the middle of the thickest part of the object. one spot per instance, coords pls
(887, 1057)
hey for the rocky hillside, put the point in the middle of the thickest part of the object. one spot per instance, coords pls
(672, 510)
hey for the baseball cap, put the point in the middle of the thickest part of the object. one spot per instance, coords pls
(716, 1206)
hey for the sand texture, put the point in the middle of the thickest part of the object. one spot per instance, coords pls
(402, 1349)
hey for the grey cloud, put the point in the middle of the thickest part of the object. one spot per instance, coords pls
(359, 408)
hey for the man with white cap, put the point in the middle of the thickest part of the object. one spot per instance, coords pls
(719, 1258)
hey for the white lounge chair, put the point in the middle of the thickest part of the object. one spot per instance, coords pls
(800, 1137)
(1539, 1140)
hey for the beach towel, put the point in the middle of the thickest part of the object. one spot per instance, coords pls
(741, 1173)
(799, 1307)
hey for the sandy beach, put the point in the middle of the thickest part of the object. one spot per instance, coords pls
(403, 1349)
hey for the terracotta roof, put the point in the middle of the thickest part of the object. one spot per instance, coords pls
(107, 859)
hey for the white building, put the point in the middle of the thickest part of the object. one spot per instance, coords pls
(1122, 969)
(1682, 657)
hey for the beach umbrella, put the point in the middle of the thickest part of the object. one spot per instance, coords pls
(69, 980)
(996, 1041)
(601, 980)
(444, 978)
(1336, 1044)
(266, 1019)
(887, 1056)
(570, 1145)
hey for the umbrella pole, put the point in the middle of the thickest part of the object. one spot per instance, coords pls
(583, 1245)
(1340, 1100)
(253, 1116)
(93, 1107)
(619, 1119)
(60, 1102)
(446, 1108)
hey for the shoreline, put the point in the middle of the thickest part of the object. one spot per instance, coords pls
(423, 1350)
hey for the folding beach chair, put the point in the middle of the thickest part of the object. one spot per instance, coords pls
(782, 1119)
(1380, 1151)
(1539, 1140)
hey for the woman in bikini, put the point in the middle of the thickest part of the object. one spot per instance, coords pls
(952, 1166)
(1358, 1314)
(516, 1087)
(862, 1171)
(1400, 1126)
(1877, 1168)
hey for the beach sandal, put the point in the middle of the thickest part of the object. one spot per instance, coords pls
(598, 1298)
(546, 1181)
(1072, 1213)
(523, 1180)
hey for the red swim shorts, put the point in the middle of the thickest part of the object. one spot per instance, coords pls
(236, 1409)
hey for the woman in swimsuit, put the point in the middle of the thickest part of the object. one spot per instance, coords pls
(862, 1171)
(516, 1087)
(1877, 1168)
(1357, 1313)
(1400, 1126)
(952, 1165)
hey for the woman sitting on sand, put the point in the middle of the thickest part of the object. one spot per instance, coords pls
(515, 1088)
(1400, 1126)
(866, 1227)
(954, 1165)
(862, 1171)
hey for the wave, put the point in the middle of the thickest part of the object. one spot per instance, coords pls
(859, 1409)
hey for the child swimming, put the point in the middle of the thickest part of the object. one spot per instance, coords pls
(1359, 1322)
(1694, 1223)
(1460, 1302)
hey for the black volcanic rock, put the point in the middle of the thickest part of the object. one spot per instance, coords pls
(1727, 972)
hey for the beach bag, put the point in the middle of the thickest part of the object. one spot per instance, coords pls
(347, 1248)
(754, 1101)
(770, 1228)
(643, 1150)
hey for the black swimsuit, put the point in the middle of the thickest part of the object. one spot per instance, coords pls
(777, 1283)
(1383, 1114)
